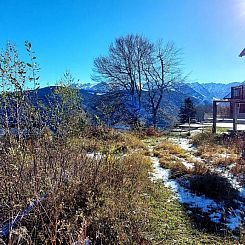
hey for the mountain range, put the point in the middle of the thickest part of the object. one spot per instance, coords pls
(94, 95)
(201, 93)
(213, 90)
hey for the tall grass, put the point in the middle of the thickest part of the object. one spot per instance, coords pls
(102, 198)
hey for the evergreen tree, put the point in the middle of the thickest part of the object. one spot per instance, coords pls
(187, 111)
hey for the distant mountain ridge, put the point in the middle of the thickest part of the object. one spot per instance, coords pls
(94, 94)
(202, 93)
(92, 87)
(213, 90)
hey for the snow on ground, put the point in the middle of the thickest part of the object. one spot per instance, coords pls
(94, 155)
(242, 192)
(229, 125)
(215, 210)
(228, 175)
(187, 164)
(186, 145)
(183, 143)
(234, 219)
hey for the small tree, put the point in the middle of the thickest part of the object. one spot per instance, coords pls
(144, 70)
(187, 111)
(66, 107)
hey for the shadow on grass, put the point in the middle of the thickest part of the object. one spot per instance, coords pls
(225, 210)
(213, 186)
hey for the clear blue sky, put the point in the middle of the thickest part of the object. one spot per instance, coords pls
(69, 34)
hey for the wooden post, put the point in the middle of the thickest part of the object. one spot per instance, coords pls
(214, 117)
(234, 116)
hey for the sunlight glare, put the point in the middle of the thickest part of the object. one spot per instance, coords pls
(241, 8)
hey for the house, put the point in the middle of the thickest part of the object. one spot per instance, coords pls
(237, 94)
(236, 99)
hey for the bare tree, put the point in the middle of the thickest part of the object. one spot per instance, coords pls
(123, 67)
(109, 107)
(139, 67)
(162, 73)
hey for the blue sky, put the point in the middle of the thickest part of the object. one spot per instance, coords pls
(69, 34)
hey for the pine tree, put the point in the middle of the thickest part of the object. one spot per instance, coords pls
(187, 111)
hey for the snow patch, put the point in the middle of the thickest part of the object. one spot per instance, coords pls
(94, 155)
(184, 144)
(188, 164)
(212, 208)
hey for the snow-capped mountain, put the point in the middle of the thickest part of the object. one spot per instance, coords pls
(101, 87)
(94, 94)
(85, 86)
(202, 90)
(213, 90)
(202, 93)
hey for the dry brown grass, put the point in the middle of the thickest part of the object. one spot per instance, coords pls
(132, 141)
(224, 160)
(200, 168)
(177, 168)
(221, 150)
(171, 156)
(116, 141)
(239, 167)
(100, 198)
(172, 149)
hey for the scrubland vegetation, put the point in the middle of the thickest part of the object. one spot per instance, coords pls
(104, 198)
(109, 198)
(62, 178)
(66, 178)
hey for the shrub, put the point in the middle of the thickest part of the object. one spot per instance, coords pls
(103, 198)
(213, 186)
(203, 138)
(151, 132)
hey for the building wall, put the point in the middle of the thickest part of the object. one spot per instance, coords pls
(238, 92)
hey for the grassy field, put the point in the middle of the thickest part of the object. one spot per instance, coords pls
(109, 198)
